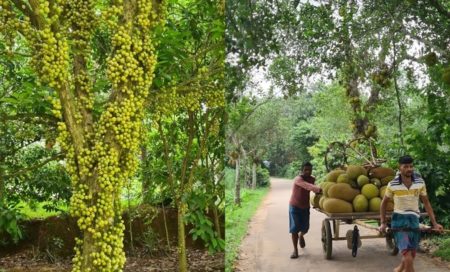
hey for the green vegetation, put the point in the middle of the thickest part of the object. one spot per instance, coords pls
(38, 210)
(444, 248)
(107, 105)
(236, 221)
(352, 83)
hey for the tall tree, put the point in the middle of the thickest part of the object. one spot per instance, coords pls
(99, 143)
(187, 104)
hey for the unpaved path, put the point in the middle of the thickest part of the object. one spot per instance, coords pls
(268, 245)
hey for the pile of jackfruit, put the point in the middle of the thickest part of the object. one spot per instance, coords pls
(354, 189)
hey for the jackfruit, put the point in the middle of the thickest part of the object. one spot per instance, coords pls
(342, 191)
(322, 199)
(314, 200)
(362, 180)
(386, 180)
(334, 205)
(370, 191)
(382, 191)
(325, 186)
(360, 203)
(374, 204)
(333, 175)
(343, 178)
(376, 182)
(381, 172)
(354, 171)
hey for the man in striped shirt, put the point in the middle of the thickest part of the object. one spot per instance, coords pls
(406, 189)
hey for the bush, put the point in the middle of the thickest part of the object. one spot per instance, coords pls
(292, 169)
(9, 224)
(262, 177)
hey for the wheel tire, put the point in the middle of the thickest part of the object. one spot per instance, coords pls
(327, 239)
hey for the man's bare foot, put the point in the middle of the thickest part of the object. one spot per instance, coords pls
(398, 269)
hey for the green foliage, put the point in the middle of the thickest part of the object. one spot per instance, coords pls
(262, 177)
(292, 169)
(42, 210)
(332, 118)
(444, 249)
(236, 221)
(9, 223)
(152, 242)
(203, 228)
(229, 178)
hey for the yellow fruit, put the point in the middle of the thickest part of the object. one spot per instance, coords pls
(370, 191)
(342, 191)
(374, 204)
(381, 172)
(322, 199)
(362, 180)
(333, 175)
(334, 205)
(354, 171)
(325, 186)
(375, 182)
(386, 180)
(315, 199)
(360, 203)
(343, 178)
(382, 191)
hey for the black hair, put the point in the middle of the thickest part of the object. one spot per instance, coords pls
(406, 159)
(306, 164)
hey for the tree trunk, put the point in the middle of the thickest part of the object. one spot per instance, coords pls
(254, 176)
(2, 186)
(243, 165)
(237, 184)
(397, 92)
(182, 259)
(216, 220)
(165, 225)
(145, 178)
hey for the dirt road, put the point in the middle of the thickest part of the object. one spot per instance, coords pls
(268, 245)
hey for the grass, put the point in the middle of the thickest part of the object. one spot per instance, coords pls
(39, 212)
(236, 220)
(443, 250)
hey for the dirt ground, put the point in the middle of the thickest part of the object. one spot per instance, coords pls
(268, 244)
(198, 261)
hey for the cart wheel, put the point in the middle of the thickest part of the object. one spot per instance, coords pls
(390, 244)
(327, 239)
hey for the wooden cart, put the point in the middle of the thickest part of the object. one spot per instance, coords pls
(330, 231)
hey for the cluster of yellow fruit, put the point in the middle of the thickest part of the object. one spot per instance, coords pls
(82, 21)
(108, 158)
(83, 82)
(205, 91)
(51, 57)
(355, 189)
(115, 142)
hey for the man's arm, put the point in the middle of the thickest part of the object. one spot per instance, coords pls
(383, 213)
(307, 186)
(429, 209)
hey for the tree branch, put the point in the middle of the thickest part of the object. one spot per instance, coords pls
(440, 8)
(33, 167)
(424, 41)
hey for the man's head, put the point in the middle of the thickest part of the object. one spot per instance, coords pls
(306, 169)
(405, 165)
